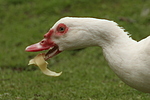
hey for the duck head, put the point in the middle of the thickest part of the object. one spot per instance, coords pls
(66, 34)
(73, 33)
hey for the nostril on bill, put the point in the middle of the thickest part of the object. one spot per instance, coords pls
(42, 42)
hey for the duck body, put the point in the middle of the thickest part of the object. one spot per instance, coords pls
(129, 59)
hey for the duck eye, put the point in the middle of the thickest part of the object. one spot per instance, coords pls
(61, 29)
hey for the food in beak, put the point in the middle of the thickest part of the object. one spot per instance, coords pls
(42, 64)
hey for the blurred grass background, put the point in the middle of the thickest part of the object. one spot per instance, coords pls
(86, 75)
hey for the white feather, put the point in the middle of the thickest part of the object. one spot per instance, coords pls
(129, 59)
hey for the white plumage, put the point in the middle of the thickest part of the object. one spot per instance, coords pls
(129, 59)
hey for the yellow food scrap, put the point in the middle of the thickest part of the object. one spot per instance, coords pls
(42, 64)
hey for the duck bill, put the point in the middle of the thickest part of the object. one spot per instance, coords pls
(36, 47)
(45, 44)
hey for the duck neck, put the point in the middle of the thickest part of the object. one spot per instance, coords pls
(117, 48)
(112, 36)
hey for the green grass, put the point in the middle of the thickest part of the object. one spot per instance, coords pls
(86, 75)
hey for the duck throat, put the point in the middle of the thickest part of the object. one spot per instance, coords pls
(117, 48)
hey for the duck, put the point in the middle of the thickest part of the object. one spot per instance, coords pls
(128, 58)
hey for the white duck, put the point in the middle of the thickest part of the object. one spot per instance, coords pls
(129, 59)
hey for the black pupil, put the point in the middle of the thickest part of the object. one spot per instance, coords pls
(62, 28)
